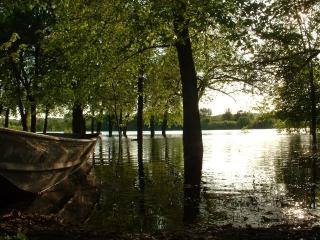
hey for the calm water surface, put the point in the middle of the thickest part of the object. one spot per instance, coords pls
(257, 178)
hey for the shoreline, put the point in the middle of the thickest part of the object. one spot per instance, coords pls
(50, 228)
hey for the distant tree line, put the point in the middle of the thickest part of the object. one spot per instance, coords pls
(239, 120)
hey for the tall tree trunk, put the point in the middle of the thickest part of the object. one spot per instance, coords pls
(45, 125)
(17, 83)
(99, 122)
(99, 126)
(33, 111)
(140, 108)
(1, 109)
(125, 126)
(140, 142)
(32, 99)
(164, 124)
(120, 129)
(124, 131)
(110, 125)
(191, 202)
(22, 111)
(78, 121)
(6, 118)
(26, 122)
(152, 126)
(141, 177)
(92, 124)
(192, 137)
(313, 129)
(23, 116)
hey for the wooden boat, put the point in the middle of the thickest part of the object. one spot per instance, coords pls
(36, 162)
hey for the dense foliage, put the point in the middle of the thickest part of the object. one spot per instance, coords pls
(57, 55)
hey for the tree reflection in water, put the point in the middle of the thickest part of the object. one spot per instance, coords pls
(191, 204)
(143, 190)
(299, 172)
(141, 177)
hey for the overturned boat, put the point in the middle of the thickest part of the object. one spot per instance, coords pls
(36, 162)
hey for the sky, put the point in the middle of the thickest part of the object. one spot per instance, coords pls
(218, 102)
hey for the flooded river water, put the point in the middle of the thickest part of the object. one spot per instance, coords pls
(254, 177)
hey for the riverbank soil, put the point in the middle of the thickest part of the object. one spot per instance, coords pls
(51, 229)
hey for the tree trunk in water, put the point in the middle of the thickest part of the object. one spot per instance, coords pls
(92, 124)
(22, 110)
(33, 110)
(25, 123)
(313, 129)
(192, 137)
(1, 109)
(120, 128)
(78, 121)
(110, 125)
(6, 118)
(23, 117)
(99, 126)
(141, 177)
(23, 114)
(124, 131)
(164, 124)
(99, 122)
(140, 142)
(191, 203)
(32, 99)
(45, 125)
(152, 125)
(140, 109)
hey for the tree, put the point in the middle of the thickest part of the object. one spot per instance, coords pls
(163, 91)
(23, 28)
(227, 115)
(205, 112)
(289, 33)
(166, 23)
(146, 25)
(86, 59)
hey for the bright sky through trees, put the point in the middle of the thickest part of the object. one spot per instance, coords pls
(218, 102)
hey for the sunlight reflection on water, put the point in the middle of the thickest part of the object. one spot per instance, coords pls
(257, 178)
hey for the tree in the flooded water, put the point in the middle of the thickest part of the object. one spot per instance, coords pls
(289, 31)
(163, 92)
(176, 23)
(192, 138)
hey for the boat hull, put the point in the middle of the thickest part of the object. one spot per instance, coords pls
(36, 162)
